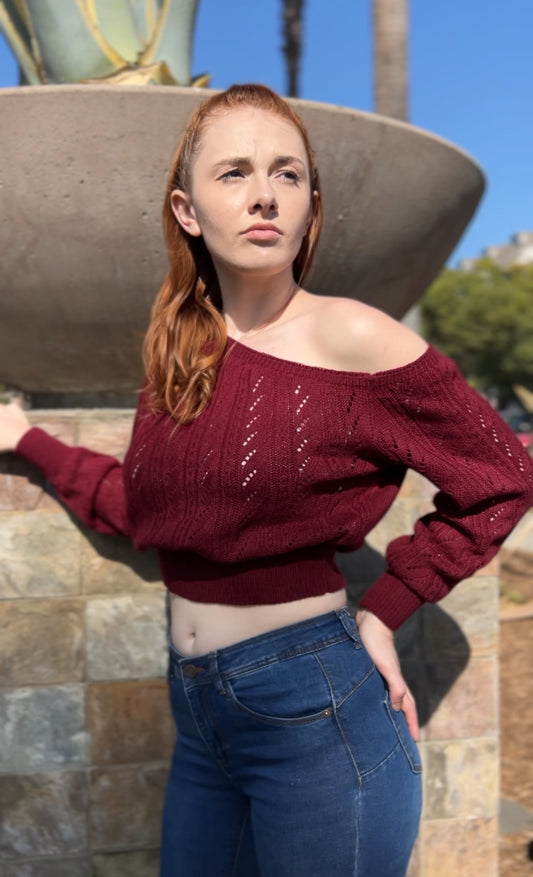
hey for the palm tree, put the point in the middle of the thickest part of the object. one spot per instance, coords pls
(390, 57)
(292, 32)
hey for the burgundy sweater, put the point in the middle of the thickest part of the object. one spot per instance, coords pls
(291, 463)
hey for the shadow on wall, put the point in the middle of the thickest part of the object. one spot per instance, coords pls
(432, 647)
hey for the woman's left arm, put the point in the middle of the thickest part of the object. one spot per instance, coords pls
(426, 417)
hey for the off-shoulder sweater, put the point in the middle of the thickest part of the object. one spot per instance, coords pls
(289, 464)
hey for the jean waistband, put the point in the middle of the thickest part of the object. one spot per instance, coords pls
(283, 642)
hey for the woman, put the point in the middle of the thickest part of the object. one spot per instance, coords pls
(274, 428)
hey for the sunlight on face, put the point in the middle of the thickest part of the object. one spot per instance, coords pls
(250, 193)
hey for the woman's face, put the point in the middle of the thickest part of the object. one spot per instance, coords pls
(250, 194)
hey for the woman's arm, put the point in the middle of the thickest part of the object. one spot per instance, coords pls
(427, 418)
(89, 484)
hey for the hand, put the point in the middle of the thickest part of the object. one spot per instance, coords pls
(13, 425)
(378, 640)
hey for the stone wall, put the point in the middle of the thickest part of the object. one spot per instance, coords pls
(85, 728)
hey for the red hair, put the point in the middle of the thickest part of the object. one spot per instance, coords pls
(187, 336)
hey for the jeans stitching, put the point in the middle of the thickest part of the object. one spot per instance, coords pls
(240, 840)
(394, 751)
(339, 725)
(279, 720)
(208, 747)
(284, 655)
(361, 682)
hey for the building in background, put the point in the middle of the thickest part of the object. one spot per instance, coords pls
(519, 251)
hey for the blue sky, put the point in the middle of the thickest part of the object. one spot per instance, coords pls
(471, 81)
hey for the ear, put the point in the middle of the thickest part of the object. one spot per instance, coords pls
(184, 212)
(315, 197)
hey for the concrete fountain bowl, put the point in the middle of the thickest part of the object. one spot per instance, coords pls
(82, 176)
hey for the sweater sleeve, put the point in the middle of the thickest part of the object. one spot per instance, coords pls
(427, 418)
(90, 484)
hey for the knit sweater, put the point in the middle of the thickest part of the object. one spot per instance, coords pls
(289, 464)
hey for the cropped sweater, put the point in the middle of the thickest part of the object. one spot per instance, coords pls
(289, 464)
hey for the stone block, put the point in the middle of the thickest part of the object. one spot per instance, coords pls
(144, 863)
(50, 868)
(399, 521)
(492, 568)
(21, 487)
(42, 642)
(460, 848)
(363, 565)
(130, 722)
(43, 815)
(473, 606)
(106, 432)
(126, 637)
(461, 779)
(59, 423)
(42, 728)
(521, 538)
(39, 555)
(466, 708)
(415, 862)
(110, 565)
(125, 806)
(416, 486)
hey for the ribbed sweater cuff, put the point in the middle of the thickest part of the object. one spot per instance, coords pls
(42, 450)
(391, 600)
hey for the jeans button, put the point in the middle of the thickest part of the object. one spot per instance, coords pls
(191, 671)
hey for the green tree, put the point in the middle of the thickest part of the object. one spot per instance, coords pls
(483, 319)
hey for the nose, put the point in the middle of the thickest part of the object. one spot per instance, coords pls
(263, 198)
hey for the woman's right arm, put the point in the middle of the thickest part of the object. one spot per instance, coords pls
(90, 484)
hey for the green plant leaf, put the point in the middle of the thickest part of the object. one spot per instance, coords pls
(80, 40)
(14, 28)
(172, 40)
(121, 27)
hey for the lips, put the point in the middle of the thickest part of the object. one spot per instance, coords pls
(263, 231)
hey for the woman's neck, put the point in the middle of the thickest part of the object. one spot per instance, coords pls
(251, 307)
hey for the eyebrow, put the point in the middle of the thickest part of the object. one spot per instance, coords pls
(239, 160)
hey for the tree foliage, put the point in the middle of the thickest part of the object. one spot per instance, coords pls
(483, 319)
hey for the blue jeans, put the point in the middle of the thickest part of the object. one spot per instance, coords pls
(290, 761)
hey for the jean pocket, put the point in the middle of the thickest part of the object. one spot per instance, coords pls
(293, 691)
(405, 738)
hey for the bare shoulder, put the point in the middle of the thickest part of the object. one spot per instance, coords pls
(357, 337)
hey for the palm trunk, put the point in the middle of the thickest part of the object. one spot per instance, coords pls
(292, 32)
(390, 58)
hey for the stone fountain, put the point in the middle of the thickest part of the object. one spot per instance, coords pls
(83, 170)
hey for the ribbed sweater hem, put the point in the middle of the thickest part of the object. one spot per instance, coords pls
(279, 579)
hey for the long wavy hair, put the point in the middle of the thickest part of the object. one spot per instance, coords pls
(187, 336)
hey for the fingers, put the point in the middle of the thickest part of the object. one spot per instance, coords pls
(379, 642)
(402, 699)
(13, 425)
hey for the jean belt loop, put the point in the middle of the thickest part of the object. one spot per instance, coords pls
(348, 622)
(216, 677)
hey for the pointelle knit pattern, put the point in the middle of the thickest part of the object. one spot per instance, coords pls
(289, 464)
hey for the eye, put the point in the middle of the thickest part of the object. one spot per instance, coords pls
(234, 174)
(291, 176)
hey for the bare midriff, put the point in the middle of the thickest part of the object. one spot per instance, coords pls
(198, 628)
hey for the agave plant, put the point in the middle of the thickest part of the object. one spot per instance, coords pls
(131, 42)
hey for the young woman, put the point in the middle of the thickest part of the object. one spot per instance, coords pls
(274, 428)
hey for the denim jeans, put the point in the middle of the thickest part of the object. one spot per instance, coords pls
(289, 761)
